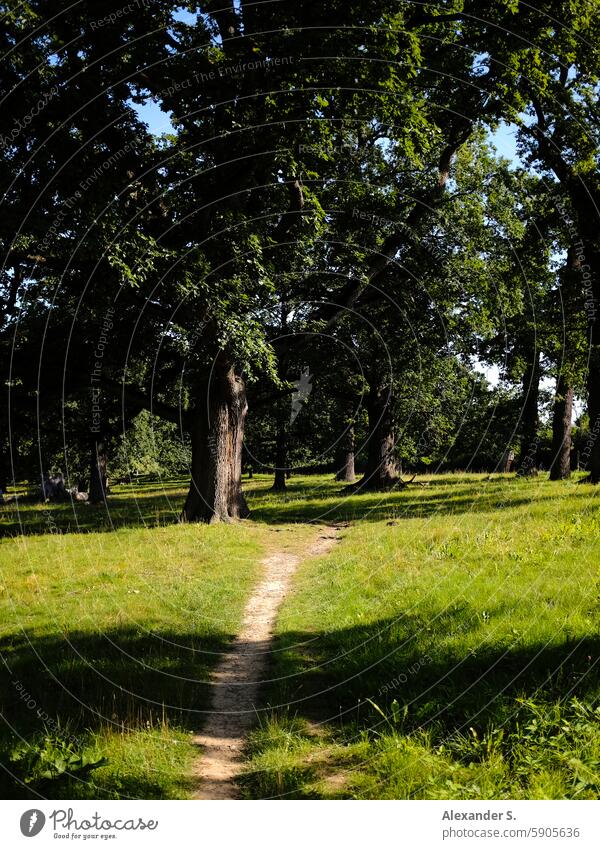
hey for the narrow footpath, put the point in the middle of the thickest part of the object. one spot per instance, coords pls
(237, 679)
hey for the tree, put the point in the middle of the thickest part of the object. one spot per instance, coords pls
(554, 88)
(75, 169)
(295, 198)
(568, 353)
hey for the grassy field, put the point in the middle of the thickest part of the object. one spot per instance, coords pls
(446, 648)
(107, 637)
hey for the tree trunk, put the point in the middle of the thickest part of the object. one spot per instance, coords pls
(562, 415)
(215, 493)
(530, 419)
(98, 476)
(346, 472)
(592, 449)
(382, 470)
(508, 459)
(279, 484)
(4, 470)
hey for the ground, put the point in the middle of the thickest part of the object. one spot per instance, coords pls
(446, 647)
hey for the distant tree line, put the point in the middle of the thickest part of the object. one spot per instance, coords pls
(319, 262)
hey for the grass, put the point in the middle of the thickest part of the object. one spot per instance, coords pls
(447, 648)
(107, 639)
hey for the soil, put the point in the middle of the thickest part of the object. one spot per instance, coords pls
(237, 679)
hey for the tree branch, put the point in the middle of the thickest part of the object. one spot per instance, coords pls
(292, 215)
(141, 400)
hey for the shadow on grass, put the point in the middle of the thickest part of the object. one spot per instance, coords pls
(120, 511)
(330, 676)
(121, 786)
(317, 499)
(120, 680)
(375, 507)
(127, 681)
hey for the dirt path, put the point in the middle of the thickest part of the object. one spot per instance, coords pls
(239, 674)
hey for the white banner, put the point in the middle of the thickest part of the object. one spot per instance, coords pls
(301, 824)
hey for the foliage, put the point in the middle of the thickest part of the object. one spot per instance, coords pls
(50, 758)
(151, 446)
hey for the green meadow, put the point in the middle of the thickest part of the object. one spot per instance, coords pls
(446, 647)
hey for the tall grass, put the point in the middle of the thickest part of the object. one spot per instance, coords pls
(107, 640)
(448, 648)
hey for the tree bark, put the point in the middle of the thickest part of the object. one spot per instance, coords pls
(593, 383)
(346, 472)
(215, 493)
(508, 459)
(530, 419)
(98, 473)
(382, 470)
(584, 198)
(279, 484)
(560, 468)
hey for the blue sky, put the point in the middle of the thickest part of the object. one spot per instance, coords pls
(157, 120)
(505, 141)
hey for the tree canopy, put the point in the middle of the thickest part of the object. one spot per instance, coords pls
(322, 258)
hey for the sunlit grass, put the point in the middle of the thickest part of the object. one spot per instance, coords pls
(448, 648)
(114, 635)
